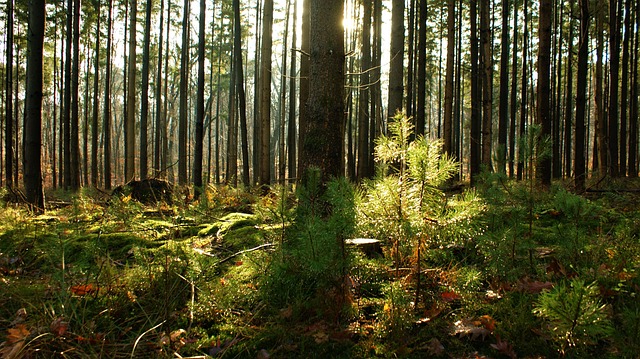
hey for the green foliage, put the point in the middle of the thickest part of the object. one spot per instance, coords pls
(576, 315)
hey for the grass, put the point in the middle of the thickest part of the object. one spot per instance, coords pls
(118, 279)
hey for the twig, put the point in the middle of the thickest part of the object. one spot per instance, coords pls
(142, 335)
(262, 246)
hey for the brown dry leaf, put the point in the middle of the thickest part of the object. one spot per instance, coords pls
(82, 289)
(488, 322)
(17, 333)
(504, 348)
(59, 327)
(450, 296)
(470, 328)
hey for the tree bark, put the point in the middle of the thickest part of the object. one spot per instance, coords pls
(448, 90)
(184, 81)
(543, 170)
(197, 153)
(476, 125)
(265, 94)
(422, 70)
(144, 95)
(579, 149)
(291, 129)
(569, 98)
(363, 97)
(303, 116)
(33, 107)
(514, 89)
(322, 147)
(242, 102)
(106, 126)
(396, 54)
(624, 102)
(504, 90)
(96, 101)
(487, 82)
(8, 132)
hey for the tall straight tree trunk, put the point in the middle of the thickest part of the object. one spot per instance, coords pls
(543, 170)
(130, 126)
(411, 61)
(514, 89)
(448, 90)
(487, 81)
(265, 94)
(602, 147)
(291, 129)
(363, 97)
(504, 90)
(232, 130)
(75, 100)
(197, 153)
(375, 117)
(614, 75)
(144, 94)
(8, 133)
(523, 101)
(635, 93)
(67, 96)
(255, 161)
(282, 168)
(303, 117)
(184, 81)
(242, 102)
(420, 120)
(396, 59)
(556, 98)
(96, 104)
(625, 85)
(164, 157)
(476, 125)
(579, 149)
(322, 147)
(569, 97)
(33, 107)
(157, 149)
(106, 126)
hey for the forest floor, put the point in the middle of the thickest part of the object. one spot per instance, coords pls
(536, 275)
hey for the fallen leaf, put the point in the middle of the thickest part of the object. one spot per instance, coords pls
(488, 322)
(59, 327)
(504, 348)
(82, 289)
(470, 328)
(450, 296)
(17, 333)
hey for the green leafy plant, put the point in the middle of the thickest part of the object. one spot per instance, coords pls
(577, 318)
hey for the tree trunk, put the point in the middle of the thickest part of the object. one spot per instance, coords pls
(614, 75)
(33, 107)
(411, 61)
(265, 94)
(523, 102)
(322, 147)
(157, 149)
(396, 59)
(303, 117)
(602, 147)
(504, 90)
(487, 81)
(581, 98)
(144, 94)
(96, 105)
(543, 170)
(242, 102)
(635, 92)
(476, 125)
(75, 100)
(514, 89)
(184, 84)
(197, 153)
(363, 97)
(422, 70)
(569, 98)
(624, 103)
(8, 133)
(106, 126)
(291, 129)
(448, 91)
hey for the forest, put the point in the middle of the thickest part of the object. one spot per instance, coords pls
(319, 178)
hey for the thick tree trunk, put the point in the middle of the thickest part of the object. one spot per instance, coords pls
(242, 102)
(514, 89)
(303, 117)
(635, 91)
(322, 147)
(75, 100)
(624, 103)
(568, 118)
(396, 54)
(157, 149)
(602, 147)
(523, 102)
(487, 82)
(291, 129)
(421, 103)
(33, 108)
(8, 133)
(614, 76)
(265, 95)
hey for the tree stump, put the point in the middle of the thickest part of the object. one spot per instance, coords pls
(369, 246)
(147, 191)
